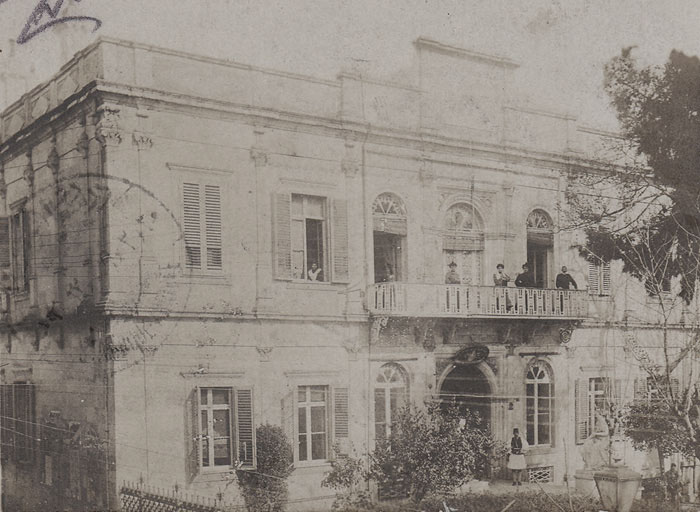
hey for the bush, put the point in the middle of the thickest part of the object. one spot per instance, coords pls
(346, 476)
(433, 451)
(265, 489)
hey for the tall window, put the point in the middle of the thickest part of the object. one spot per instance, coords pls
(17, 405)
(599, 278)
(463, 242)
(539, 398)
(308, 236)
(202, 226)
(593, 398)
(20, 251)
(225, 433)
(540, 244)
(390, 393)
(312, 417)
(390, 229)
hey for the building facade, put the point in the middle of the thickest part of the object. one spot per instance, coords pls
(194, 247)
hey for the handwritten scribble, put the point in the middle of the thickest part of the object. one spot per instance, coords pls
(45, 16)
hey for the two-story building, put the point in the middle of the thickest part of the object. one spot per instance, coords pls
(194, 247)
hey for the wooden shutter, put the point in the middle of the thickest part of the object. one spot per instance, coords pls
(5, 261)
(245, 428)
(581, 410)
(26, 248)
(191, 225)
(593, 278)
(675, 388)
(640, 389)
(288, 412)
(341, 420)
(605, 279)
(192, 435)
(7, 421)
(617, 392)
(282, 225)
(212, 223)
(339, 248)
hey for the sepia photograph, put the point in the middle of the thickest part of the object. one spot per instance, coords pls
(349, 256)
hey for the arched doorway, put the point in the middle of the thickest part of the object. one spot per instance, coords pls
(467, 386)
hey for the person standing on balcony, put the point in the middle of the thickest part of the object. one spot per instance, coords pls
(525, 279)
(452, 276)
(501, 279)
(564, 280)
(516, 457)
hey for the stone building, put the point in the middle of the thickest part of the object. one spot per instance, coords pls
(194, 247)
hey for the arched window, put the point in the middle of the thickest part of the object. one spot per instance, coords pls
(463, 243)
(390, 228)
(540, 244)
(539, 396)
(390, 394)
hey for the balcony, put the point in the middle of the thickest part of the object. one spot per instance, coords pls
(464, 301)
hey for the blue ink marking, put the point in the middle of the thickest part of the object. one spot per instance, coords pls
(36, 26)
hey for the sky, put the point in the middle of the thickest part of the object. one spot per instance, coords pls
(561, 45)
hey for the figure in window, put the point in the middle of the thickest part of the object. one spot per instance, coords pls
(452, 276)
(315, 273)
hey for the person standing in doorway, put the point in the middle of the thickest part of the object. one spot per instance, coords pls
(452, 276)
(516, 458)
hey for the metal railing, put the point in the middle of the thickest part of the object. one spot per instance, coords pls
(454, 300)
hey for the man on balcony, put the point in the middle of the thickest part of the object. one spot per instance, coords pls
(565, 280)
(452, 276)
(525, 279)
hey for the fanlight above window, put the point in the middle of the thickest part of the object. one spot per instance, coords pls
(463, 229)
(389, 214)
(540, 228)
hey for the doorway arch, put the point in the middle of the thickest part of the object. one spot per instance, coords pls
(468, 385)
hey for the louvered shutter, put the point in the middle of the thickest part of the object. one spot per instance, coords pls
(339, 249)
(5, 252)
(581, 410)
(675, 388)
(192, 225)
(282, 225)
(212, 223)
(8, 421)
(593, 279)
(192, 435)
(288, 412)
(341, 419)
(617, 392)
(245, 428)
(640, 389)
(605, 279)
(26, 248)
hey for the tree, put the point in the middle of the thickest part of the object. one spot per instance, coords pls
(644, 211)
(432, 451)
(265, 489)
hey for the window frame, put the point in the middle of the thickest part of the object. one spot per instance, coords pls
(387, 386)
(325, 237)
(328, 427)
(203, 180)
(598, 271)
(549, 380)
(234, 433)
(19, 224)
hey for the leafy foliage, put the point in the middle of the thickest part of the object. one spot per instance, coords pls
(265, 489)
(433, 451)
(346, 476)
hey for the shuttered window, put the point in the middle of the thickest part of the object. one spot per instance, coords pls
(303, 225)
(19, 250)
(202, 226)
(317, 417)
(19, 432)
(220, 429)
(599, 278)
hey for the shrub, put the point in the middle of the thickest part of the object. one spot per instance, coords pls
(433, 451)
(265, 489)
(346, 476)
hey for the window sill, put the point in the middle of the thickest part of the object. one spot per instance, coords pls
(312, 464)
(310, 285)
(540, 450)
(214, 475)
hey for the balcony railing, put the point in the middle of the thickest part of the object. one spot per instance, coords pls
(451, 300)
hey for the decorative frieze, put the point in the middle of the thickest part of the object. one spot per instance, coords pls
(142, 140)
